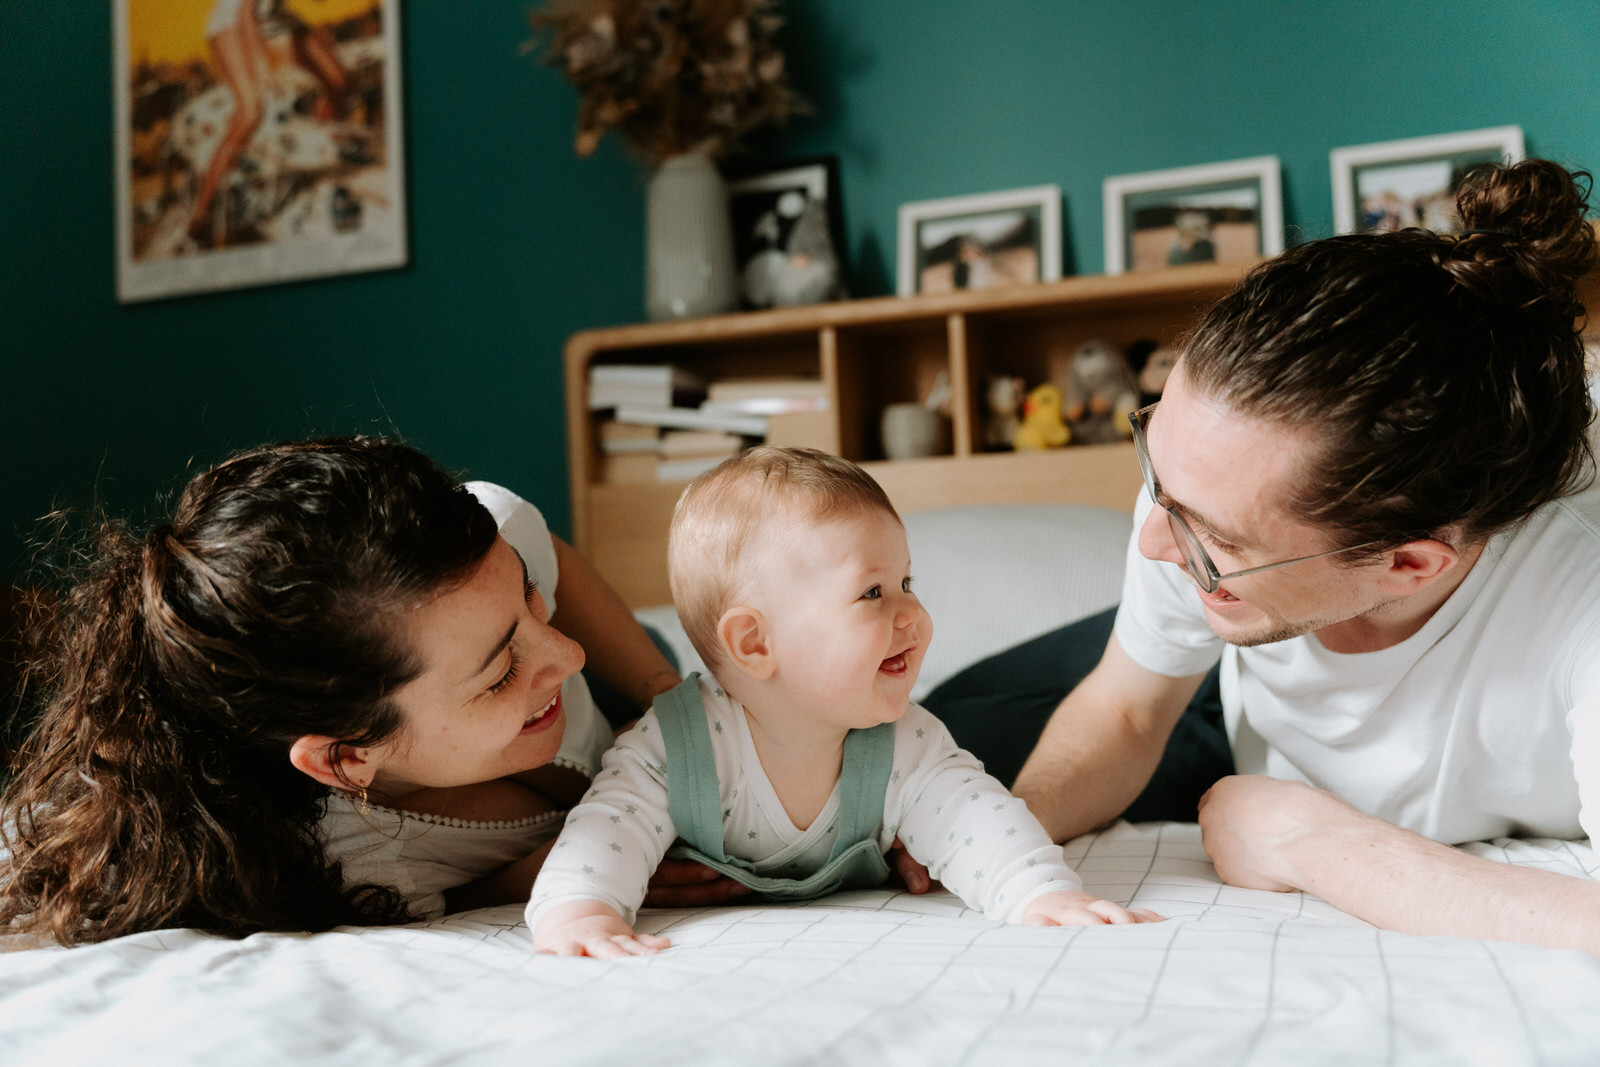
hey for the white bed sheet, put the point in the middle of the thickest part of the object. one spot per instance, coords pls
(1233, 977)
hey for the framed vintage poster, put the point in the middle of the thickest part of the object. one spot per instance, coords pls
(257, 141)
(980, 242)
(1393, 185)
(788, 231)
(1215, 213)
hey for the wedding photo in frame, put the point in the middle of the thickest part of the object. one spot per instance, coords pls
(257, 141)
(1391, 185)
(980, 242)
(788, 231)
(1214, 213)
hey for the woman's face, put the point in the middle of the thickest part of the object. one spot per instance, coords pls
(488, 701)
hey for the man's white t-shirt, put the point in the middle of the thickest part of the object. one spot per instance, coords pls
(1485, 723)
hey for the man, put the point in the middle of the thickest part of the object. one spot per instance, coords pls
(1367, 492)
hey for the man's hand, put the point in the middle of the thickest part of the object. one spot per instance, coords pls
(1250, 825)
(913, 875)
(589, 928)
(687, 884)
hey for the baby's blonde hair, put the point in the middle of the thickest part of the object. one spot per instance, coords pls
(730, 507)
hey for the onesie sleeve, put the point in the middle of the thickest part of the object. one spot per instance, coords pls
(614, 839)
(1159, 622)
(587, 734)
(971, 833)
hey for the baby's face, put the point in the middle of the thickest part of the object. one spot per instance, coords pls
(848, 634)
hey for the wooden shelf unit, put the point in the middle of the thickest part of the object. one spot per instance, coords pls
(871, 353)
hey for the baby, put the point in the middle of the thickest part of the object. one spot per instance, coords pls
(799, 763)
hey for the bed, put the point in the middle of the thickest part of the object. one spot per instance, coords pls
(878, 977)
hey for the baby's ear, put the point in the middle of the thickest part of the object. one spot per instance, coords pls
(742, 632)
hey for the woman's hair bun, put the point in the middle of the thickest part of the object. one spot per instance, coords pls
(1525, 234)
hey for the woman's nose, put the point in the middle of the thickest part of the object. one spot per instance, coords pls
(556, 657)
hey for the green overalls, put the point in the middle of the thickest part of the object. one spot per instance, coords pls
(694, 798)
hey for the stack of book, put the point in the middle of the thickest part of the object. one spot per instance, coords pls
(652, 385)
(796, 409)
(667, 424)
(766, 396)
(685, 454)
(629, 453)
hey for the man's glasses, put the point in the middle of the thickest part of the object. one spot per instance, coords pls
(1195, 557)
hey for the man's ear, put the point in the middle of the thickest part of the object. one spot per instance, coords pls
(1416, 565)
(335, 765)
(745, 641)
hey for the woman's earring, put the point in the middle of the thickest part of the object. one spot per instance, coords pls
(361, 791)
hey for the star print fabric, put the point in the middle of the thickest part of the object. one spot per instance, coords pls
(972, 834)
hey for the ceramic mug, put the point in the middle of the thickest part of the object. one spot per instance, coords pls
(911, 431)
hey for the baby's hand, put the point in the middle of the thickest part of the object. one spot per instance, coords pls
(590, 928)
(1081, 909)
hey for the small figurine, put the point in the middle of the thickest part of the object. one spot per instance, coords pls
(1100, 394)
(1152, 365)
(1003, 399)
(1041, 420)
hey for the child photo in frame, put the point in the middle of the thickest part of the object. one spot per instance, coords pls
(980, 242)
(1216, 213)
(1392, 185)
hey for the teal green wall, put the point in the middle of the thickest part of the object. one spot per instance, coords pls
(516, 244)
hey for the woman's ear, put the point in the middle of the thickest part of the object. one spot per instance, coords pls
(335, 765)
(742, 632)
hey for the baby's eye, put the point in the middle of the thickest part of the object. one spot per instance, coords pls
(905, 584)
(875, 593)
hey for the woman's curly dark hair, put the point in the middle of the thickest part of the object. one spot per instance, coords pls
(1443, 375)
(155, 789)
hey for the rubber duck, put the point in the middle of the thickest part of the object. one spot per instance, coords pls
(1042, 426)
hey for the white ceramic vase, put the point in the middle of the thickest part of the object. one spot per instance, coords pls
(689, 265)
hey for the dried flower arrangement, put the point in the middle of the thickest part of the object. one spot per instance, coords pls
(669, 76)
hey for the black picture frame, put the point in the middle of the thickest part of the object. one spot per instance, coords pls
(788, 231)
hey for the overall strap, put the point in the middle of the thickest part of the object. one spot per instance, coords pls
(863, 782)
(693, 792)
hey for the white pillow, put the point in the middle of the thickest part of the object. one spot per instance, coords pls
(994, 576)
(991, 576)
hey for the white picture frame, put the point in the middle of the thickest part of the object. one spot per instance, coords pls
(1212, 213)
(319, 186)
(1390, 185)
(983, 241)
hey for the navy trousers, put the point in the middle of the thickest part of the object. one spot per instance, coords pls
(997, 708)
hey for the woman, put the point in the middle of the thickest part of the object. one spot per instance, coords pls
(336, 688)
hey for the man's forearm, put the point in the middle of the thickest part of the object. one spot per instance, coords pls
(1399, 880)
(1263, 833)
(1086, 769)
(1102, 744)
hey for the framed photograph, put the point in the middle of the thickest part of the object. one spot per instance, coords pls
(257, 141)
(980, 242)
(788, 232)
(1396, 184)
(1216, 213)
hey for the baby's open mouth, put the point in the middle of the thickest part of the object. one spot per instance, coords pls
(896, 664)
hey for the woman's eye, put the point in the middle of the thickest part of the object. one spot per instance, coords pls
(875, 593)
(510, 676)
(529, 589)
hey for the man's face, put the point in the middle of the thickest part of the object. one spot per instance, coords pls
(1230, 477)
